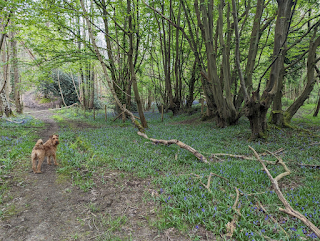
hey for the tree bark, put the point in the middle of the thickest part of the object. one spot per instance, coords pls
(5, 91)
(191, 84)
(92, 86)
(226, 113)
(206, 84)
(132, 71)
(256, 108)
(16, 76)
(252, 53)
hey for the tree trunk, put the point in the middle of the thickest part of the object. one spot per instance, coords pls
(105, 71)
(226, 113)
(256, 108)
(192, 81)
(6, 90)
(315, 114)
(16, 74)
(81, 81)
(206, 84)
(92, 90)
(311, 80)
(252, 53)
(132, 71)
(149, 100)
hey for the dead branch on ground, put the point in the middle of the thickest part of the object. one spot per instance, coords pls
(215, 155)
(230, 226)
(274, 220)
(288, 209)
(308, 165)
(177, 142)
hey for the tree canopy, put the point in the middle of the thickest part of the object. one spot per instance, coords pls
(244, 58)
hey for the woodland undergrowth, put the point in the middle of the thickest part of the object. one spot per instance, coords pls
(231, 195)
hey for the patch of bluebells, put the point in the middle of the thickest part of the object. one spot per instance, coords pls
(192, 201)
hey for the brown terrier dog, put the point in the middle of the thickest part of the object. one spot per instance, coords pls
(51, 148)
(40, 151)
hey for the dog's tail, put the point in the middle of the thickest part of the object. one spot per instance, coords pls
(34, 156)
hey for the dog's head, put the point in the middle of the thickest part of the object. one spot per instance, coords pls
(54, 140)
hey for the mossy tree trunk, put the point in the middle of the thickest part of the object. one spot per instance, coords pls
(257, 107)
(16, 76)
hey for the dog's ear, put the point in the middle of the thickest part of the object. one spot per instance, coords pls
(50, 137)
(57, 135)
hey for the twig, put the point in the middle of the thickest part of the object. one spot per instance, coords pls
(315, 143)
(211, 173)
(231, 226)
(308, 165)
(251, 194)
(234, 207)
(288, 209)
(274, 220)
(241, 157)
(16, 122)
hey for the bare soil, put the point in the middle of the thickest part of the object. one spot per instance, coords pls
(48, 207)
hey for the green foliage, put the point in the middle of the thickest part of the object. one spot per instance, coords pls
(184, 202)
(15, 148)
(51, 87)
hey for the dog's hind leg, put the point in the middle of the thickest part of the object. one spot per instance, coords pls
(40, 161)
(34, 162)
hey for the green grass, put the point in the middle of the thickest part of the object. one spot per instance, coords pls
(16, 143)
(183, 202)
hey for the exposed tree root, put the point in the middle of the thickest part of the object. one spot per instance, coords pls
(177, 142)
(288, 209)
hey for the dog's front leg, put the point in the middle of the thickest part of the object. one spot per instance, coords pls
(49, 160)
(55, 160)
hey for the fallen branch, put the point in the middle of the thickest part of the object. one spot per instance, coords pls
(277, 152)
(308, 165)
(177, 142)
(124, 113)
(315, 143)
(16, 122)
(288, 209)
(274, 220)
(215, 155)
(231, 226)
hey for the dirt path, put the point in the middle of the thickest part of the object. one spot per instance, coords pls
(41, 209)
(48, 207)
